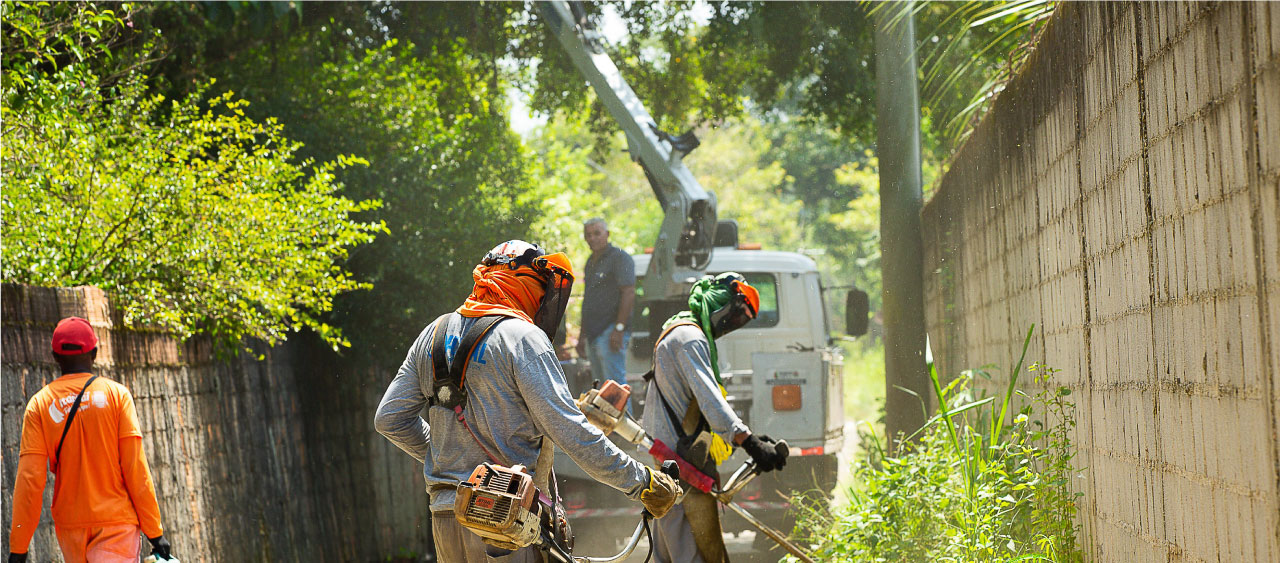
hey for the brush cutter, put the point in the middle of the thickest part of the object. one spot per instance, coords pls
(502, 506)
(605, 407)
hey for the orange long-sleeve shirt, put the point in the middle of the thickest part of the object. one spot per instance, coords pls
(102, 478)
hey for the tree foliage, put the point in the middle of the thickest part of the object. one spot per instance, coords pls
(807, 71)
(346, 83)
(782, 94)
(453, 177)
(693, 64)
(732, 161)
(818, 59)
(195, 217)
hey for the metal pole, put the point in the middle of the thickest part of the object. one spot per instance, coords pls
(901, 242)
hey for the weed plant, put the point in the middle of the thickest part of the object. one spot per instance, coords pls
(971, 485)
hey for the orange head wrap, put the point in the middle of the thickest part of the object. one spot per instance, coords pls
(514, 279)
(500, 290)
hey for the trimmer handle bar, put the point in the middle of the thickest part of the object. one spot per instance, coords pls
(743, 475)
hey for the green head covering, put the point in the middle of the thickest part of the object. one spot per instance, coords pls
(708, 295)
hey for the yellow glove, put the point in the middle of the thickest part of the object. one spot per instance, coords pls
(720, 449)
(661, 494)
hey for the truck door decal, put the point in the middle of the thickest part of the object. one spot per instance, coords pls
(786, 378)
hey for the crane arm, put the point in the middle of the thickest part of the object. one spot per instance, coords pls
(685, 241)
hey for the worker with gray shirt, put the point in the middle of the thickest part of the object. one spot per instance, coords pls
(607, 301)
(515, 399)
(686, 408)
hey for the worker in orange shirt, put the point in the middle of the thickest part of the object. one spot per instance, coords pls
(85, 430)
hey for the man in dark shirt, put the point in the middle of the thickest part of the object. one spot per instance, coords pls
(606, 305)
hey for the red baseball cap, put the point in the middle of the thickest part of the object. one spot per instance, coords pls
(73, 335)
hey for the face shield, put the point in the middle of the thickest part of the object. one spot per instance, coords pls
(743, 305)
(553, 270)
(557, 274)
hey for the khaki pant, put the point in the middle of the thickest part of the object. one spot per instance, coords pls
(690, 532)
(107, 544)
(455, 544)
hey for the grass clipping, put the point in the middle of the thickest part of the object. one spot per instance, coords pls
(969, 487)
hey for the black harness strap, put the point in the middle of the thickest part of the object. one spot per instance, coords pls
(689, 430)
(456, 378)
(75, 408)
(449, 391)
(472, 337)
(693, 417)
(438, 359)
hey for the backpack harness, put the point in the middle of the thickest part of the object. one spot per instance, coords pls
(448, 384)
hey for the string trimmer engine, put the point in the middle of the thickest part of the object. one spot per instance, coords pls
(500, 504)
(606, 409)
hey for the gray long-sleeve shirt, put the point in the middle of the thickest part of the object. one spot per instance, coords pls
(516, 398)
(682, 370)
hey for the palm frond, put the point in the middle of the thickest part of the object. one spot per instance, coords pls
(989, 38)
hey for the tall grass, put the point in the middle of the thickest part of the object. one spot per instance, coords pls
(972, 486)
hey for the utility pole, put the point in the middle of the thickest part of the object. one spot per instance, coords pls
(901, 242)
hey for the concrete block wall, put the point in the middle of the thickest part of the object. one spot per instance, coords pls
(1124, 195)
(271, 459)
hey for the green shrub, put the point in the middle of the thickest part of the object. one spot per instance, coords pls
(969, 488)
(193, 216)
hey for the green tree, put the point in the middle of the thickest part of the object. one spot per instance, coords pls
(851, 235)
(453, 177)
(816, 59)
(811, 59)
(195, 217)
(414, 89)
(733, 162)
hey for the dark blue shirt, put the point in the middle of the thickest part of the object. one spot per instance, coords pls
(605, 273)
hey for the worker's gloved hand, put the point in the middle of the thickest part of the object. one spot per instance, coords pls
(765, 452)
(661, 494)
(780, 447)
(17, 557)
(160, 547)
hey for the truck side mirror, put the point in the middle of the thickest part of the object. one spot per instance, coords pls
(857, 308)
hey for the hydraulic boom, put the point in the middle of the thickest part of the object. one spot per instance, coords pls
(684, 244)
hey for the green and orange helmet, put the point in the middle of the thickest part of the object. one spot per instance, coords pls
(742, 305)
